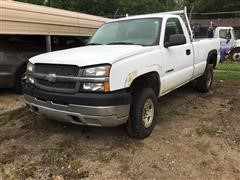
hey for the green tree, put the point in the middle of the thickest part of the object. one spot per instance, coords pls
(216, 5)
(144, 6)
(206, 6)
(109, 8)
(39, 2)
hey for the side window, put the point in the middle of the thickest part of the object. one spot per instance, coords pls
(173, 26)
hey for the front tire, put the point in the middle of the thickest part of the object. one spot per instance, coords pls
(204, 83)
(142, 114)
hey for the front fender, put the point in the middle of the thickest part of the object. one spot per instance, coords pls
(137, 73)
(124, 72)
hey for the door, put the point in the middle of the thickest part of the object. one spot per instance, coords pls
(178, 59)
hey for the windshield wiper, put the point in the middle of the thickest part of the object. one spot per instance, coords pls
(127, 43)
(92, 44)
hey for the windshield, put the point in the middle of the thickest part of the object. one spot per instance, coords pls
(144, 32)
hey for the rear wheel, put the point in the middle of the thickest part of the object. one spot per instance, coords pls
(235, 54)
(20, 75)
(142, 114)
(236, 57)
(204, 83)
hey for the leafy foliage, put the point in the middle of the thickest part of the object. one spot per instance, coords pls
(206, 6)
(216, 5)
(109, 8)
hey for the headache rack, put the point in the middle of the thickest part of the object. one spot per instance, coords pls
(184, 16)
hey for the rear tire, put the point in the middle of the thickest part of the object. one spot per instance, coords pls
(142, 114)
(204, 83)
(19, 77)
(235, 54)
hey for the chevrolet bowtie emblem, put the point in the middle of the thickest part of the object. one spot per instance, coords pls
(51, 78)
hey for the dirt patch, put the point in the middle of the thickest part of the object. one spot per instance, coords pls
(197, 137)
(10, 101)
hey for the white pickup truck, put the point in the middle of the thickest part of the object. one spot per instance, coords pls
(117, 78)
(230, 46)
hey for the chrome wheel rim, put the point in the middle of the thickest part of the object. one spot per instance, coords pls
(148, 113)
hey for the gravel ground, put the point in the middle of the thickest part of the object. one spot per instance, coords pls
(10, 101)
(197, 136)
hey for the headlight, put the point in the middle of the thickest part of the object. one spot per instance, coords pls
(99, 71)
(93, 86)
(30, 67)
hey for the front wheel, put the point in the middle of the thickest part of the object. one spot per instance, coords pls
(142, 114)
(204, 83)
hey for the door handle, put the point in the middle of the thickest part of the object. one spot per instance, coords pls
(170, 70)
(188, 52)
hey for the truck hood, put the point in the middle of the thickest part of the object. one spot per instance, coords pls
(91, 55)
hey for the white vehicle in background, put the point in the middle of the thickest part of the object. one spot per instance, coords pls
(117, 78)
(230, 46)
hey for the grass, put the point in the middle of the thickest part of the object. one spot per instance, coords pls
(204, 163)
(54, 157)
(64, 161)
(228, 66)
(1, 168)
(224, 75)
(209, 130)
(228, 71)
(26, 172)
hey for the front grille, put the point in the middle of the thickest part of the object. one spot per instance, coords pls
(60, 70)
(60, 85)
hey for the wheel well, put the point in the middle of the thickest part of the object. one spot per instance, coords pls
(212, 58)
(151, 80)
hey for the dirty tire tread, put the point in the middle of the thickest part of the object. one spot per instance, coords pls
(202, 81)
(135, 126)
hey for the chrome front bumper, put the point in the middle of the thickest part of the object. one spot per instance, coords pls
(105, 116)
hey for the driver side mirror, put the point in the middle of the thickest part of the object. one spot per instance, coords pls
(175, 40)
